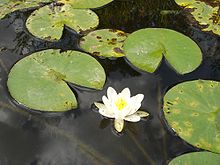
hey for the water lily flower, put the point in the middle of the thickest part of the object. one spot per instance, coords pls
(121, 107)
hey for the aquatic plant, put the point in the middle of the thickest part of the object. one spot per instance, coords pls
(121, 107)
(8, 6)
(39, 81)
(193, 111)
(43, 81)
(48, 22)
(145, 49)
(205, 13)
(201, 158)
(104, 42)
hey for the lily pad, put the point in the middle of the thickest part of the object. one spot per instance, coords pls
(39, 80)
(48, 22)
(193, 111)
(206, 13)
(146, 47)
(85, 4)
(201, 158)
(8, 6)
(105, 42)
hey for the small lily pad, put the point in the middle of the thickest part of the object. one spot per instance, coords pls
(8, 6)
(206, 13)
(105, 42)
(85, 4)
(146, 47)
(193, 111)
(48, 22)
(200, 158)
(39, 80)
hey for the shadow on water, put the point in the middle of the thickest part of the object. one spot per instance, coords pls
(82, 136)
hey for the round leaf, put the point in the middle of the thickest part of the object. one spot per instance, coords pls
(8, 6)
(200, 158)
(193, 111)
(85, 4)
(48, 22)
(146, 47)
(39, 80)
(105, 42)
(205, 13)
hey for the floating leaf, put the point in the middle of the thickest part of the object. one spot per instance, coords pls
(8, 6)
(105, 42)
(200, 158)
(39, 80)
(85, 4)
(193, 111)
(48, 22)
(146, 47)
(205, 12)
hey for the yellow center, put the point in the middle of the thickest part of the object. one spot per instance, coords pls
(120, 103)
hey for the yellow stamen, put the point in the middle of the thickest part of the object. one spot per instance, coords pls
(120, 103)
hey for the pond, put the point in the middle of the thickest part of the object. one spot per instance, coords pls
(82, 136)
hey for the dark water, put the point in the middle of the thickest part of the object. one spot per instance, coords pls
(82, 136)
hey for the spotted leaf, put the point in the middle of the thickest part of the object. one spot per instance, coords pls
(105, 42)
(193, 110)
(206, 14)
(48, 22)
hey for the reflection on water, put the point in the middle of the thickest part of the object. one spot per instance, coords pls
(82, 136)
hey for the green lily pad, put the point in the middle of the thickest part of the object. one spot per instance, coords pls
(39, 80)
(146, 47)
(200, 158)
(105, 42)
(8, 6)
(48, 22)
(193, 111)
(206, 13)
(85, 4)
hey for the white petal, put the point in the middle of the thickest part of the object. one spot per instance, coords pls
(141, 113)
(133, 108)
(138, 98)
(133, 118)
(119, 124)
(104, 111)
(124, 112)
(135, 103)
(119, 114)
(106, 102)
(111, 93)
(125, 93)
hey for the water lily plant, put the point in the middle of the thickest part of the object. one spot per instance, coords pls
(121, 107)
